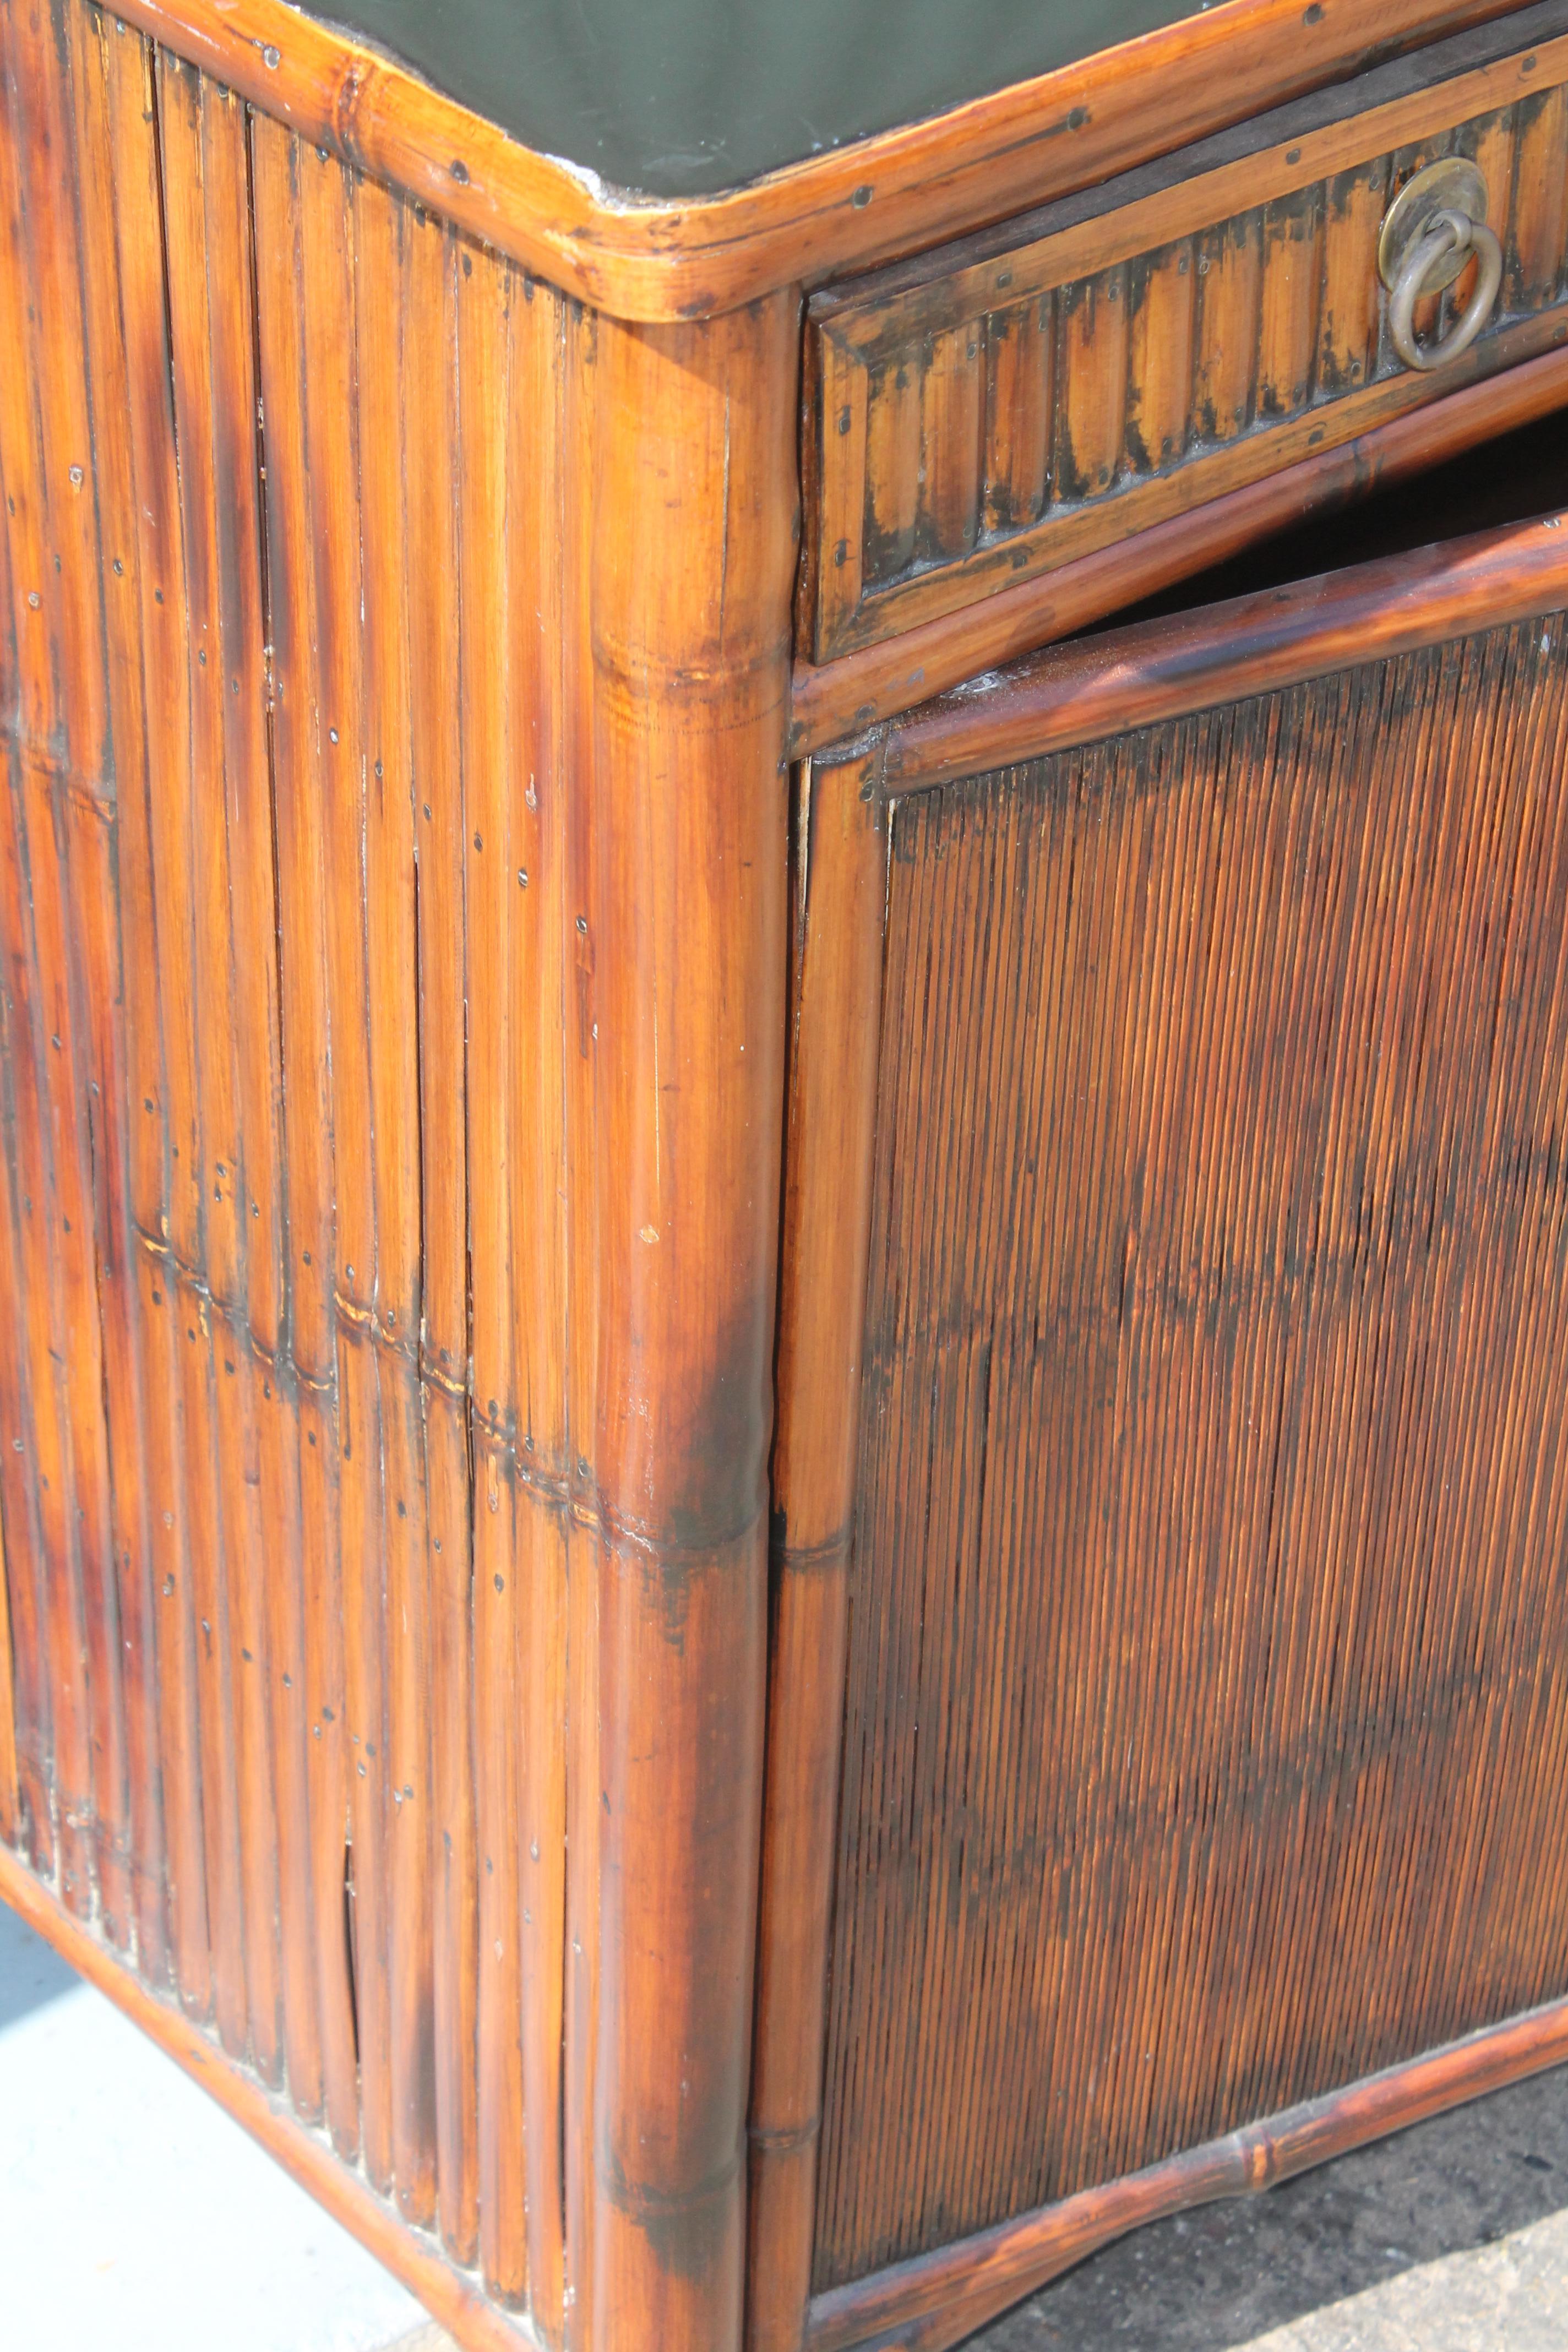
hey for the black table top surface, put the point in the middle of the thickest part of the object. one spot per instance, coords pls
(684, 98)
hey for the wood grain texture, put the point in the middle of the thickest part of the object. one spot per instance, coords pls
(1202, 1743)
(382, 962)
(1216, 316)
(660, 259)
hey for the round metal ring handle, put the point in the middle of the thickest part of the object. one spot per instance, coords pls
(1448, 239)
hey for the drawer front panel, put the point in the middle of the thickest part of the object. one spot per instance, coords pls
(1204, 1741)
(1025, 408)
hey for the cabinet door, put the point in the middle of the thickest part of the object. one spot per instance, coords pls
(1183, 1049)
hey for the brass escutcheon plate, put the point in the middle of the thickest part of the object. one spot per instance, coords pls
(1452, 184)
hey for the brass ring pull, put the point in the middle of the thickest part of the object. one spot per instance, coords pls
(1434, 227)
(1446, 235)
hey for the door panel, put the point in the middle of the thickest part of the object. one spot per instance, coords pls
(1203, 1739)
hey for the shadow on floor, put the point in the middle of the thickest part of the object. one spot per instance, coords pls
(1228, 2272)
(30, 1973)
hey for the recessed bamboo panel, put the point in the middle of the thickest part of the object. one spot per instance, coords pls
(1208, 1651)
(282, 907)
(1186, 331)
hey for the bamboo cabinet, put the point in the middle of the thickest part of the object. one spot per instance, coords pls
(782, 1214)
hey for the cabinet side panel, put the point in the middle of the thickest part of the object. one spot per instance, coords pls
(293, 675)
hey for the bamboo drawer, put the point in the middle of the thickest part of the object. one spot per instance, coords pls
(1067, 379)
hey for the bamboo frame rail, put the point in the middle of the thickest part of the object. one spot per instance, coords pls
(929, 2303)
(1157, 669)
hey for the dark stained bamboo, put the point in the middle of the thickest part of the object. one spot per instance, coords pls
(78, 821)
(826, 1223)
(34, 946)
(392, 909)
(164, 1196)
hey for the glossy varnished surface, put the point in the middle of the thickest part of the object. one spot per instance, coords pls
(679, 98)
(660, 257)
(1202, 1743)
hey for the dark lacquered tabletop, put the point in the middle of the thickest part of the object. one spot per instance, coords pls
(681, 97)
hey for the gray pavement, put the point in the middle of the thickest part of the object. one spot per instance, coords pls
(136, 2217)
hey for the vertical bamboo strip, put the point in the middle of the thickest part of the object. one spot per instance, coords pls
(18, 1483)
(545, 532)
(401, 1767)
(431, 407)
(691, 617)
(347, 1703)
(111, 139)
(43, 608)
(1016, 467)
(827, 1225)
(160, 1078)
(490, 295)
(1161, 294)
(1229, 265)
(1091, 383)
(321, 2055)
(209, 1282)
(243, 1186)
(893, 457)
(577, 786)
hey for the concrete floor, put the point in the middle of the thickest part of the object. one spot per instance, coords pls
(135, 2217)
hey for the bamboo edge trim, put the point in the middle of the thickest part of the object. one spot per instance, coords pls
(833, 701)
(960, 2286)
(1167, 668)
(307, 2156)
(662, 260)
